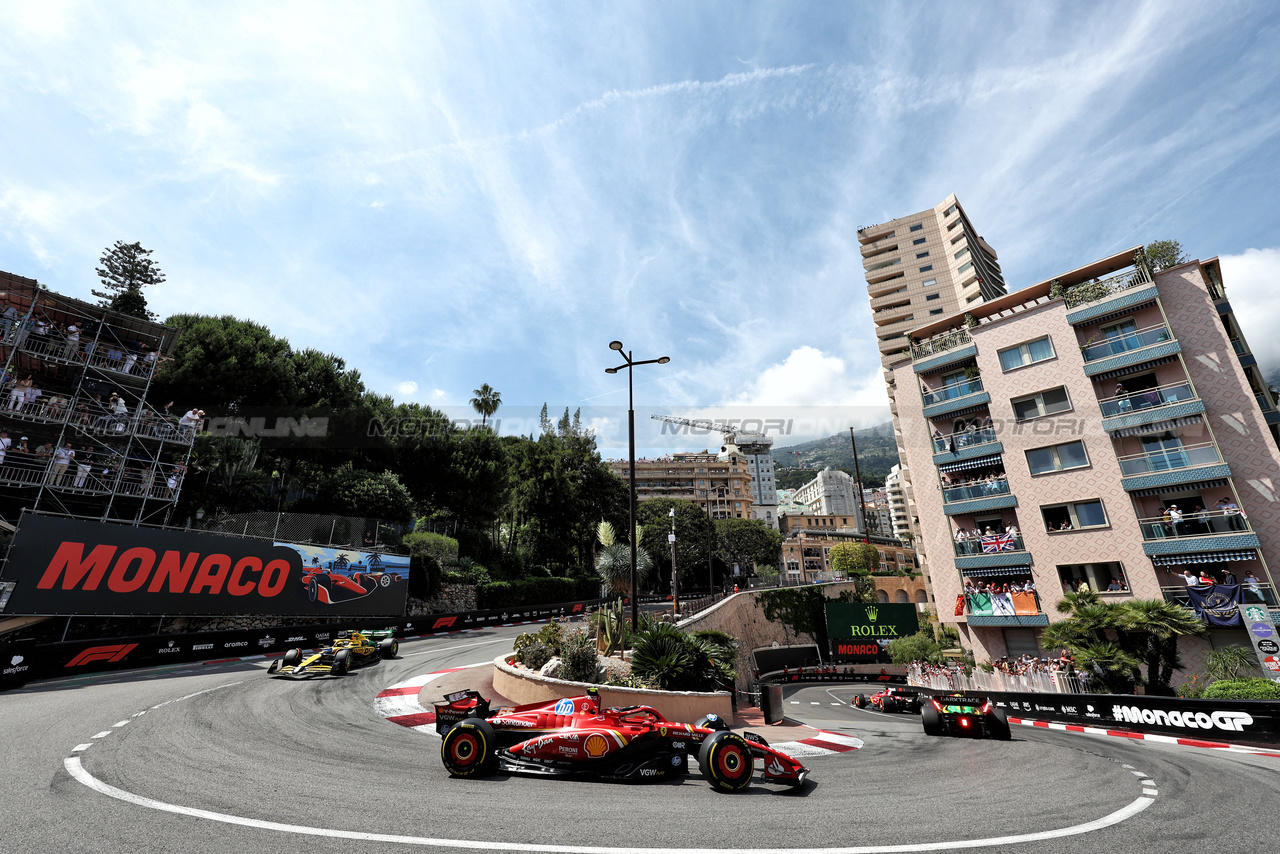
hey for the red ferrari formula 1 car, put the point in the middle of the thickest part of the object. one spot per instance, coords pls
(575, 736)
(890, 700)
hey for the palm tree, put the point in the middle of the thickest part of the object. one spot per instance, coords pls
(1154, 626)
(614, 561)
(486, 402)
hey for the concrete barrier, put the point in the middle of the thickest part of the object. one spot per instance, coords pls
(526, 686)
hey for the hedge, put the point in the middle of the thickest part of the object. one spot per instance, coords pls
(1242, 689)
(535, 591)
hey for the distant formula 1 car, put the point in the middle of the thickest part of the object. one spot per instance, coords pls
(958, 714)
(350, 649)
(328, 587)
(890, 700)
(575, 736)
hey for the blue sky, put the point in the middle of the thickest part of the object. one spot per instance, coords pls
(449, 194)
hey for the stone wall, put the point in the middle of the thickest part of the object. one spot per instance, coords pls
(453, 598)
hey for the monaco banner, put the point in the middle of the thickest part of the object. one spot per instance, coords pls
(61, 566)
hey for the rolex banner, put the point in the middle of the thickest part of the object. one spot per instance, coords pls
(60, 566)
(860, 632)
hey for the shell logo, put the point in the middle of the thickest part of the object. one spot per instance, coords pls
(595, 745)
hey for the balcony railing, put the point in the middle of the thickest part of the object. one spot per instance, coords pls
(940, 343)
(1238, 346)
(963, 439)
(883, 264)
(1170, 459)
(1125, 342)
(952, 391)
(1203, 524)
(1259, 594)
(1085, 292)
(989, 545)
(1149, 398)
(970, 491)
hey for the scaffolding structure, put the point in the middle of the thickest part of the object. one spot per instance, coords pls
(76, 379)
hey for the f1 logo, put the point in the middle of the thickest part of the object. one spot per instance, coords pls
(445, 622)
(102, 653)
(577, 609)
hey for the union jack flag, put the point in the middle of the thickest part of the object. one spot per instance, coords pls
(997, 543)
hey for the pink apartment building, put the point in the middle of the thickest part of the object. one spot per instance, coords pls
(1110, 421)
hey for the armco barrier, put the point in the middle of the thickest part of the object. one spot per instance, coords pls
(23, 661)
(1244, 721)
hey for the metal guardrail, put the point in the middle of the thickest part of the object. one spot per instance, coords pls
(940, 343)
(1125, 342)
(952, 391)
(1087, 292)
(1147, 398)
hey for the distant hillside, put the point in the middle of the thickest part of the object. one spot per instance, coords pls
(877, 453)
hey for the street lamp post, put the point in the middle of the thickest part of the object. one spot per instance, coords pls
(675, 575)
(631, 456)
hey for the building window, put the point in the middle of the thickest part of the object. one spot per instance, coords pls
(926, 268)
(963, 252)
(1042, 403)
(937, 311)
(1105, 577)
(949, 211)
(918, 241)
(916, 227)
(1072, 517)
(924, 254)
(928, 283)
(932, 297)
(1026, 354)
(965, 266)
(1070, 455)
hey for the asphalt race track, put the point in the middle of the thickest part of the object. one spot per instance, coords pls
(221, 758)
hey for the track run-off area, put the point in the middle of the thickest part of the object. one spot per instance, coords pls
(222, 758)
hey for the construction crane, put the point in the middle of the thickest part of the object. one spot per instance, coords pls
(750, 443)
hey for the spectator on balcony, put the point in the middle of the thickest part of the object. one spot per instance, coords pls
(1121, 395)
(1206, 580)
(1199, 521)
(1229, 577)
(8, 320)
(5, 444)
(1190, 579)
(1253, 586)
(18, 397)
(132, 358)
(1114, 586)
(1231, 512)
(1175, 521)
(62, 458)
(40, 335)
(1012, 528)
(72, 348)
(150, 358)
(190, 420)
(45, 451)
(939, 442)
(84, 465)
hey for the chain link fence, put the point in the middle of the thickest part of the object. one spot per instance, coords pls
(344, 532)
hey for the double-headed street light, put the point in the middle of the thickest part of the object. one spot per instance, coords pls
(631, 452)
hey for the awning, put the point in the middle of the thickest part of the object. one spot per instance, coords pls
(1157, 427)
(1205, 557)
(1124, 312)
(1003, 570)
(1134, 369)
(976, 463)
(1198, 486)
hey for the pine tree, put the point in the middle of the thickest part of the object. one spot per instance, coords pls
(126, 269)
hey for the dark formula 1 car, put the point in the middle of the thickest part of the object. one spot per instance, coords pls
(328, 587)
(350, 649)
(958, 714)
(575, 736)
(890, 700)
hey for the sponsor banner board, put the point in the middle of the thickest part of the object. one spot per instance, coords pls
(1238, 721)
(63, 566)
(860, 632)
(23, 661)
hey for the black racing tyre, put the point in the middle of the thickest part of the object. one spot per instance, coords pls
(725, 760)
(313, 588)
(998, 725)
(388, 647)
(711, 722)
(860, 700)
(358, 579)
(291, 658)
(469, 748)
(931, 720)
(341, 662)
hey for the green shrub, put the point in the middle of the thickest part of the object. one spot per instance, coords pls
(534, 655)
(443, 549)
(1253, 688)
(578, 658)
(534, 591)
(674, 661)
(1192, 689)
(626, 680)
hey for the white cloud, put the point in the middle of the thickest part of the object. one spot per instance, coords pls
(810, 377)
(436, 394)
(1251, 279)
(407, 388)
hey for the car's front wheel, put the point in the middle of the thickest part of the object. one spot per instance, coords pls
(341, 662)
(725, 759)
(388, 647)
(468, 749)
(860, 700)
(291, 658)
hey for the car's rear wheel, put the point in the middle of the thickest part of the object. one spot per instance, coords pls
(725, 759)
(291, 658)
(341, 662)
(931, 720)
(468, 749)
(313, 588)
(388, 647)
(998, 725)
(712, 722)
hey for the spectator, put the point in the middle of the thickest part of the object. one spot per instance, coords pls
(1251, 583)
(18, 397)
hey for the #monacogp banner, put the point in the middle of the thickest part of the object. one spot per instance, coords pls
(61, 566)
